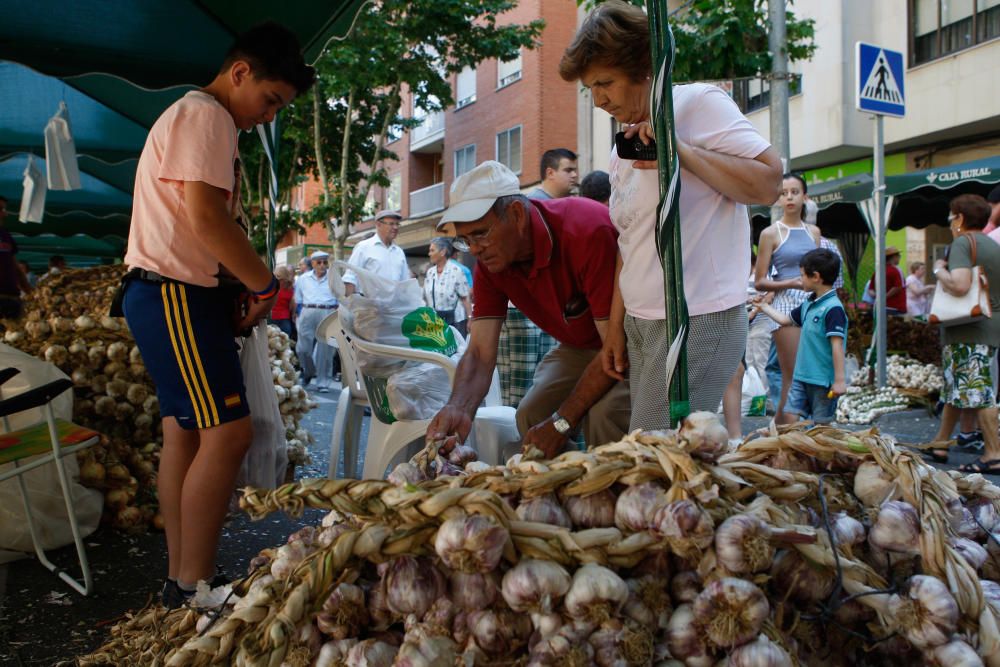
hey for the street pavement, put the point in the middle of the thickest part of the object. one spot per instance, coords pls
(42, 621)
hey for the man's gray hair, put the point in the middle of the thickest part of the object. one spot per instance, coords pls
(501, 205)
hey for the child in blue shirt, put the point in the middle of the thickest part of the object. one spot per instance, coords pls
(819, 363)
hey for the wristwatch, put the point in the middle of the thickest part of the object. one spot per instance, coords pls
(561, 424)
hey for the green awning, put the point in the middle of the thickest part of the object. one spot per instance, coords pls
(78, 250)
(154, 43)
(920, 198)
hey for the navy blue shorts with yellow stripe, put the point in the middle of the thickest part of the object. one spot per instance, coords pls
(185, 335)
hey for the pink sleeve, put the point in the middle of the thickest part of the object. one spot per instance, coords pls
(717, 124)
(200, 145)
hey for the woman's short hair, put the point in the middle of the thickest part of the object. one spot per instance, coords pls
(915, 266)
(616, 34)
(974, 209)
(444, 244)
(283, 272)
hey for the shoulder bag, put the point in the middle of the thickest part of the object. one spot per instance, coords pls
(950, 310)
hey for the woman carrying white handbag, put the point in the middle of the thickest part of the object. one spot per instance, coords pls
(964, 305)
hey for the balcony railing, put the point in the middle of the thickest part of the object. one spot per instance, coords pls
(754, 93)
(427, 200)
(431, 130)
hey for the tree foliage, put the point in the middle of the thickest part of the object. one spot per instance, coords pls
(395, 46)
(727, 39)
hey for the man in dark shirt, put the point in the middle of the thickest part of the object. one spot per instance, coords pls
(12, 278)
(895, 284)
(554, 260)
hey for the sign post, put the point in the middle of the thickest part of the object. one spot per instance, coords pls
(879, 90)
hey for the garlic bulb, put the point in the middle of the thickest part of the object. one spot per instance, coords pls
(534, 585)
(926, 613)
(731, 611)
(594, 511)
(705, 435)
(470, 543)
(760, 653)
(847, 530)
(873, 485)
(462, 454)
(370, 653)
(985, 514)
(544, 509)
(793, 576)
(596, 594)
(688, 528)
(743, 544)
(473, 592)
(567, 646)
(964, 523)
(649, 591)
(344, 612)
(499, 632)
(636, 508)
(897, 528)
(412, 585)
(973, 552)
(406, 473)
(956, 653)
(419, 650)
(288, 558)
(685, 586)
(684, 640)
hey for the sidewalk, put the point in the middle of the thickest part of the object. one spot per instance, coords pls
(44, 622)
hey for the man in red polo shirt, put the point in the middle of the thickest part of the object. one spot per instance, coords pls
(555, 261)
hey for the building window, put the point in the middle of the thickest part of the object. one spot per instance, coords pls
(465, 87)
(509, 149)
(942, 27)
(394, 193)
(508, 72)
(465, 159)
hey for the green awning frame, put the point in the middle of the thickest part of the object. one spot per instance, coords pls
(920, 198)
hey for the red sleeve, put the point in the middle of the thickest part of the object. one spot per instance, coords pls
(487, 299)
(596, 268)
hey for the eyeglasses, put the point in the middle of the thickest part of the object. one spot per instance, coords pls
(389, 224)
(320, 261)
(465, 243)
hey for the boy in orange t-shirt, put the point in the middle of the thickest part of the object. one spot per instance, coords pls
(183, 239)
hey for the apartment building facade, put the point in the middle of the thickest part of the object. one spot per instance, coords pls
(952, 83)
(506, 111)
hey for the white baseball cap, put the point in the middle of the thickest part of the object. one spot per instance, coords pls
(319, 254)
(473, 193)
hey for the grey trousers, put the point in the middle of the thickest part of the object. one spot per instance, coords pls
(715, 346)
(315, 356)
(555, 377)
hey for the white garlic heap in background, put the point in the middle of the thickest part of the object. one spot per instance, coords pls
(904, 373)
(860, 405)
(66, 323)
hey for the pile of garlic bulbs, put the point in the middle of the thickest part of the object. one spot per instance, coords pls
(661, 549)
(905, 373)
(66, 323)
(861, 405)
(293, 400)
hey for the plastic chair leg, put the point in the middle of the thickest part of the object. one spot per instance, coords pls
(389, 440)
(337, 444)
(88, 582)
(352, 438)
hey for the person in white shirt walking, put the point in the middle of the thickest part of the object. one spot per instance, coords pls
(379, 254)
(312, 290)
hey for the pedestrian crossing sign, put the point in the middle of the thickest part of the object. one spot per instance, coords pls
(879, 80)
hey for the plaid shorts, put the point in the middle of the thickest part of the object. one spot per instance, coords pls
(522, 346)
(968, 381)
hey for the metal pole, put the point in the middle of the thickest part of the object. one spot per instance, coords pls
(878, 172)
(779, 80)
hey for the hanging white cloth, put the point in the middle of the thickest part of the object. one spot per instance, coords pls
(60, 152)
(33, 198)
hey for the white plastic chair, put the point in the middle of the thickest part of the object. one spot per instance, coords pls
(352, 402)
(493, 426)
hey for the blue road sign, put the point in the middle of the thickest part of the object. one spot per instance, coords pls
(879, 80)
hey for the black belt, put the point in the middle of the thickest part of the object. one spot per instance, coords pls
(312, 305)
(148, 276)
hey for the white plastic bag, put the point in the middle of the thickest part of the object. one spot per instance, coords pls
(44, 490)
(267, 459)
(391, 312)
(754, 401)
(418, 391)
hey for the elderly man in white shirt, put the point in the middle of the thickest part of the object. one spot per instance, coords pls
(312, 290)
(379, 254)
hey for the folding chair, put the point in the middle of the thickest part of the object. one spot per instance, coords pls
(45, 442)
